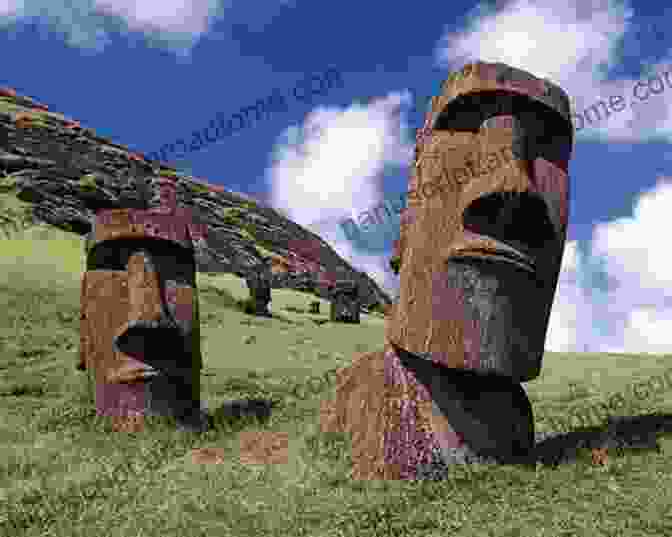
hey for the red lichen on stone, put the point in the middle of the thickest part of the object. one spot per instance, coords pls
(133, 422)
(23, 120)
(599, 456)
(208, 455)
(264, 447)
(409, 440)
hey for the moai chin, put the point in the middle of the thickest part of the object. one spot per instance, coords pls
(479, 256)
(140, 333)
(345, 302)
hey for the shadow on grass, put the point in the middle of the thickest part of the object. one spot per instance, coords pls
(621, 433)
(239, 409)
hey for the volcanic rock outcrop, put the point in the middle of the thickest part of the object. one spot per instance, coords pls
(479, 256)
(68, 173)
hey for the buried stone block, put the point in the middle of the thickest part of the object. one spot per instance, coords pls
(345, 302)
(480, 255)
(140, 333)
(259, 283)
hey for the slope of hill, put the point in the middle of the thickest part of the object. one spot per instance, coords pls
(66, 172)
(63, 472)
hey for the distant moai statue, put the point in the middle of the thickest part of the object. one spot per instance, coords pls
(479, 257)
(345, 302)
(315, 307)
(140, 326)
(258, 281)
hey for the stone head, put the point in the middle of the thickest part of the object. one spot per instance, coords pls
(140, 335)
(482, 238)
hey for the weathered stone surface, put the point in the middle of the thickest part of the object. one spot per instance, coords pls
(403, 415)
(69, 174)
(479, 256)
(140, 334)
(345, 303)
(264, 447)
(476, 77)
(208, 455)
(129, 422)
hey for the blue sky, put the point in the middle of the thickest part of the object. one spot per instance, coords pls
(146, 73)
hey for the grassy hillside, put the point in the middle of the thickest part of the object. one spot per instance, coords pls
(62, 472)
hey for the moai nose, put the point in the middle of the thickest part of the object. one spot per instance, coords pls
(149, 326)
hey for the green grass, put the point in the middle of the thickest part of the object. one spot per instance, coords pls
(63, 473)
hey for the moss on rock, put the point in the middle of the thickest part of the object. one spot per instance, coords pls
(7, 184)
(198, 188)
(88, 182)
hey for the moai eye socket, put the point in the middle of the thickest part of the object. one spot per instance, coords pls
(109, 255)
(519, 219)
(172, 261)
(468, 112)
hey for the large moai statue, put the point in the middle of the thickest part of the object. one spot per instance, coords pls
(140, 327)
(259, 284)
(479, 257)
(345, 302)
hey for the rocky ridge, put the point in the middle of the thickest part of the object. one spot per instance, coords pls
(66, 173)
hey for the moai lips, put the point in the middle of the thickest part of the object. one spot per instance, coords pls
(140, 335)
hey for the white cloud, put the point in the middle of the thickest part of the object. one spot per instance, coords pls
(10, 7)
(86, 24)
(574, 45)
(634, 315)
(570, 306)
(330, 168)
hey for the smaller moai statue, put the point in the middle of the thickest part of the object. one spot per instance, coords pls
(315, 307)
(345, 302)
(259, 283)
(140, 338)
